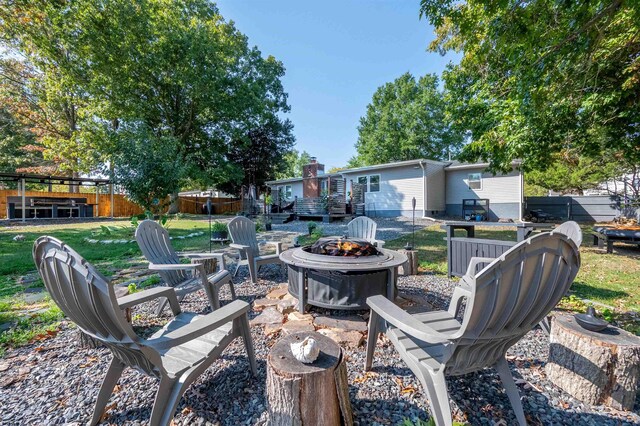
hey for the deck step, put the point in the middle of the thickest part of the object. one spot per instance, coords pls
(280, 218)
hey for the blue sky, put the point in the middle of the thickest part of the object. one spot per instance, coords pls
(336, 54)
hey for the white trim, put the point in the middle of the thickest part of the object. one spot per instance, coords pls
(379, 182)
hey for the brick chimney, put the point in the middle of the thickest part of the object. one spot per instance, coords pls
(310, 182)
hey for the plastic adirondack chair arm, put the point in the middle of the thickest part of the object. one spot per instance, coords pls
(400, 319)
(201, 326)
(380, 243)
(239, 246)
(173, 266)
(473, 263)
(151, 294)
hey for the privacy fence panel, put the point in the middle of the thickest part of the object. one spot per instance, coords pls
(578, 208)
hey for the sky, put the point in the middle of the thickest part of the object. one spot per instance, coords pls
(336, 54)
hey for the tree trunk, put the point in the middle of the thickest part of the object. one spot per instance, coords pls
(74, 187)
(411, 267)
(174, 207)
(307, 394)
(596, 368)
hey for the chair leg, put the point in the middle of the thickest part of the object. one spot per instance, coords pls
(545, 325)
(245, 330)
(253, 272)
(436, 387)
(372, 338)
(161, 305)
(167, 397)
(512, 390)
(108, 383)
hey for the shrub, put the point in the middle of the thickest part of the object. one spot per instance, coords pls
(219, 227)
(311, 226)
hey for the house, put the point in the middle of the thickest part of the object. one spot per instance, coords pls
(440, 188)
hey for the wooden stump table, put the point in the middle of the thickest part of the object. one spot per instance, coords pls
(307, 394)
(411, 266)
(596, 368)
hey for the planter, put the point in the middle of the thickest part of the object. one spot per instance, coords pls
(267, 226)
(219, 235)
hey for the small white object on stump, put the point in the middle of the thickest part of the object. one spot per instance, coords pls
(594, 367)
(411, 266)
(307, 394)
(306, 351)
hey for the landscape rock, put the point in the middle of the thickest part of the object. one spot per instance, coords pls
(350, 323)
(260, 304)
(287, 306)
(349, 339)
(278, 292)
(269, 316)
(290, 327)
(297, 316)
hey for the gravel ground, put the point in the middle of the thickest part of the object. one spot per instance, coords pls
(60, 380)
(57, 381)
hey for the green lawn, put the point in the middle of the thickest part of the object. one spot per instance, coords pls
(612, 279)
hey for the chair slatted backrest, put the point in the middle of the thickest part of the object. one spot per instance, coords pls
(572, 230)
(243, 231)
(510, 296)
(89, 301)
(362, 227)
(155, 244)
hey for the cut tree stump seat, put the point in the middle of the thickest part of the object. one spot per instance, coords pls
(596, 368)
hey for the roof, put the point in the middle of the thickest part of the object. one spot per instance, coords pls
(57, 180)
(392, 165)
(457, 165)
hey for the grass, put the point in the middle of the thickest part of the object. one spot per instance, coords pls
(16, 261)
(609, 278)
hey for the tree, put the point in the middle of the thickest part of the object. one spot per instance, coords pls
(292, 164)
(259, 156)
(572, 174)
(404, 121)
(19, 151)
(541, 77)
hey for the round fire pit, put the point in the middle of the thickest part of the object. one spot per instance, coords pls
(340, 273)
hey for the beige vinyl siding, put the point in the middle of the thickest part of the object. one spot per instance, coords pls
(498, 189)
(398, 186)
(296, 189)
(435, 188)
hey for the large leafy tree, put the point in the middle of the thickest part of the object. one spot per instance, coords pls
(542, 77)
(19, 151)
(292, 163)
(405, 120)
(154, 74)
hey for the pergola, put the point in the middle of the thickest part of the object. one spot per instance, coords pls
(22, 179)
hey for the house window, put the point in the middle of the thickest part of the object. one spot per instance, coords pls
(362, 180)
(371, 183)
(475, 181)
(288, 192)
(374, 183)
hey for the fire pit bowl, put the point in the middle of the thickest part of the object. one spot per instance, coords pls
(340, 273)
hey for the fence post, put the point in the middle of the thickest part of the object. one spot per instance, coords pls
(569, 208)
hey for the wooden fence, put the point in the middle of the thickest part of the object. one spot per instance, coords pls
(197, 205)
(123, 207)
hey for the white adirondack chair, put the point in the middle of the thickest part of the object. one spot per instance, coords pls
(156, 246)
(177, 354)
(364, 228)
(243, 237)
(503, 302)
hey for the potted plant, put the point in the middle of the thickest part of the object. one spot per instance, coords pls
(267, 223)
(219, 231)
(312, 227)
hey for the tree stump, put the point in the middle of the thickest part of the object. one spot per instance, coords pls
(596, 368)
(210, 264)
(307, 394)
(411, 267)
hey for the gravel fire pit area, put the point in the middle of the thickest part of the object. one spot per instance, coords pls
(55, 381)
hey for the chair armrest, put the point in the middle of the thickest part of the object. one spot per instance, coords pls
(201, 326)
(462, 290)
(239, 246)
(173, 266)
(277, 244)
(379, 243)
(399, 318)
(474, 262)
(151, 294)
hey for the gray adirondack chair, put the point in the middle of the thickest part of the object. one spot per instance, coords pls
(364, 228)
(243, 237)
(156, 246)
(572, 230)
(177, 354)
(503, 302)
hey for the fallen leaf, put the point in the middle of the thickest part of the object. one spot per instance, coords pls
(105, 414)
(366, 376)
(186, 411)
